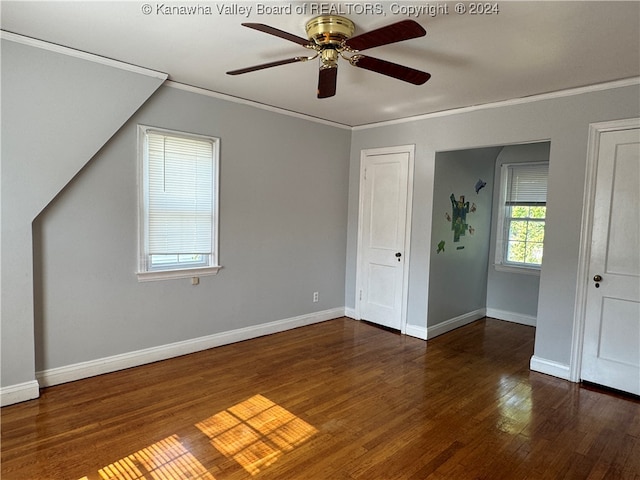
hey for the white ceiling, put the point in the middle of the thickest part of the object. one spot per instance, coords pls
(527, 48)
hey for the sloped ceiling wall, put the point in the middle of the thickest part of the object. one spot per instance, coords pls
(58, 109)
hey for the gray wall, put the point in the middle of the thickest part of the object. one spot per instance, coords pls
(283, 214)
(57, 111)
(289, 206)
(458, 275)
(515, 293)
(564, 121)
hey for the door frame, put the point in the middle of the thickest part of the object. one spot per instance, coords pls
(584, 256)
(410, 150)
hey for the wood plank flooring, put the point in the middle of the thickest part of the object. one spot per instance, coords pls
(339, 400)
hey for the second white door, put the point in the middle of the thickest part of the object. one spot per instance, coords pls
(611, 346)
(384, 202)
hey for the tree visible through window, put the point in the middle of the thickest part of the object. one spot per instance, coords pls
(524, 193)
(526, 234)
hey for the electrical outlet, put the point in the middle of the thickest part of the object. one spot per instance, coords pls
(315, 297)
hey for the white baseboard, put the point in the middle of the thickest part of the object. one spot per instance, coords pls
(416, 331)
(20, 392)
(549, 367)
(69, 373)
(455, 322)
(512, 317)
(411, 330)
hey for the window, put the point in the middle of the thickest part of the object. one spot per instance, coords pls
(522, 219)
(178, 220)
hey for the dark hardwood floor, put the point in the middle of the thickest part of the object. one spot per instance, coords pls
(339, 400)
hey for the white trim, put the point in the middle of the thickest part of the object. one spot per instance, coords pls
(144, 273)
(501, 264)
(627, 82)
(351, 313)
(501, 267)
(549, 367)
(52, 47)
(584, 255)
(514, 317)
(456, 322)
(69, 373)
(358, 292)
(152, 276)
(416, 331)
(202, 91)
(410, 150)
(444, 113)
(20, 392)
(244, 101)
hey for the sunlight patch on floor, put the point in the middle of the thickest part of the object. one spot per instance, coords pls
(166, 459)
(255, 432)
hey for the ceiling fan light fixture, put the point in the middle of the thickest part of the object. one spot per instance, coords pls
(329, 30)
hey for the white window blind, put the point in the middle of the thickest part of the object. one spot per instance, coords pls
(527, 184)
(180, 194)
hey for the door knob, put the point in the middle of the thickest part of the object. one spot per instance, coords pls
(597, 279)
(398, 254)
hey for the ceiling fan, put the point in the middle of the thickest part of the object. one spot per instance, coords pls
(330, 36)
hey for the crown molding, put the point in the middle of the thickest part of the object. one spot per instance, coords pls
(244, 101)
(627, 82)
(52, 47)
(13, 37)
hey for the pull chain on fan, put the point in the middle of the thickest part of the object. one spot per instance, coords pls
(330, 36)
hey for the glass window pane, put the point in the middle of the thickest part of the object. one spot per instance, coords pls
(163, 259)
(520, 211)
(190, 260)
(534, 253)
(518, 230)
(525, 243)
(537, 212)
(535, 232)
(179, 200)
(516, 252)
(522, 235)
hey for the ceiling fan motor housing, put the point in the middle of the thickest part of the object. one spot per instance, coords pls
(329, 58)
(329, 30)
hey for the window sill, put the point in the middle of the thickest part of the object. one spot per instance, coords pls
(176, 274)
(515, 269)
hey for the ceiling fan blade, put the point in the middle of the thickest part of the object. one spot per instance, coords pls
(327, 79)
(401, 72)
(396, 32)
(278, 33)
(267, 65)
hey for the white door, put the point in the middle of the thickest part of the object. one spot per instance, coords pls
(383, 247)
(611, 348)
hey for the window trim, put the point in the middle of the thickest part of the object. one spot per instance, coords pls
(144, 272)
(501, 235)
